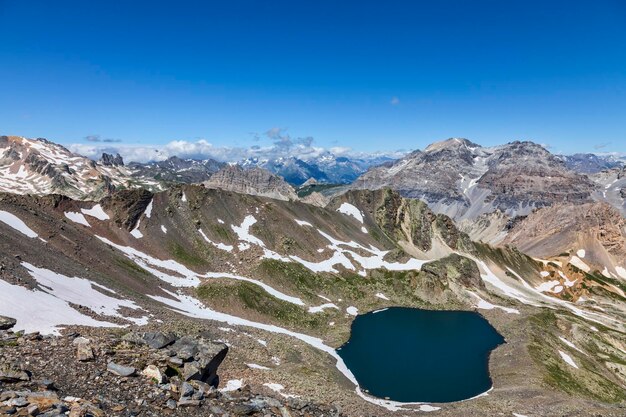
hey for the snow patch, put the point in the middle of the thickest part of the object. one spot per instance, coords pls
(97, 212)
(233, 384)
(350, 210)
(77, 218)
(581, 253)
(148, 211)
(486, 305)
(222, 246)
(353, 311)
(259, 367)
(16, 223)
(163, 229)
(578, 263)
(318, 309)
(381, 295)
(568, 359)
(303, 223)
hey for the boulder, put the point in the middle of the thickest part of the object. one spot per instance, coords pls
(120, 370)
(13, 375)
(84, 351)
(153, 372)
(7, 323)
(154, 340)
(202, 355)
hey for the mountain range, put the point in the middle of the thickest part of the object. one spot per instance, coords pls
(230, 250)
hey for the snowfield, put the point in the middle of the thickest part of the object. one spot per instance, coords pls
(47, 308)
(97, 212)
(17, 224)
(350, 210)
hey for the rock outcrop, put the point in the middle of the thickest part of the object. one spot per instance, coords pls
(254, 181)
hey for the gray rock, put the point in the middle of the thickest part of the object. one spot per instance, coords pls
(6, 323)
(18, 402)
(171, 404)
(84, 351)
(186, 390)
(13, 375)
(154, 340)
(185, 402)
(33, 410)
(120, 370)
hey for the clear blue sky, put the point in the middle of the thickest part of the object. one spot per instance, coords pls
(369, 75)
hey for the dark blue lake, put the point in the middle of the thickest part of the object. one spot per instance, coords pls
(407, 354)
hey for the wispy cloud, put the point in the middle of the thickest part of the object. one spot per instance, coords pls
(395, 101)
(98, 138)
(601, 145)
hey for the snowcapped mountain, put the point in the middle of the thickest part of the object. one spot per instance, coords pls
(38, 166)
(589, 163)
(176, 170)
(326, 168)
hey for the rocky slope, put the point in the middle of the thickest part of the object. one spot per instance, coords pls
(253, 181)
(595, 232)
(279, 283)
(140, 373)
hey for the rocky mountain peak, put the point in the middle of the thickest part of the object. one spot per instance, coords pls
(110, 160)
(452, 143)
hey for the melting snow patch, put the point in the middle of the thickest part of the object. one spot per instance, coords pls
(184, 198)
(381, 295)
(227, 248)
(262, 342)
(578, 263)
(620, 271)
(136, 232)
(163, 229)
(260, 367)
(220, 221)
(318, 309)
(17, 224)
(97, 212)
(148, 211)
(353, 311)
(364, 230)
(77, 218)
(544, 274)
(47, 309)
(279, 388)
(350, 210)
(581, 253)
(486, 305)
(303, 223)
(570, 344)
(243, 231)
(568, 359)
(233, 385)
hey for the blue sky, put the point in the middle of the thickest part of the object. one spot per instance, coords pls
(371, 76)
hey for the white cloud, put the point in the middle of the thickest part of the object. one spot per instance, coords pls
(395, 101)
(283, 146)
